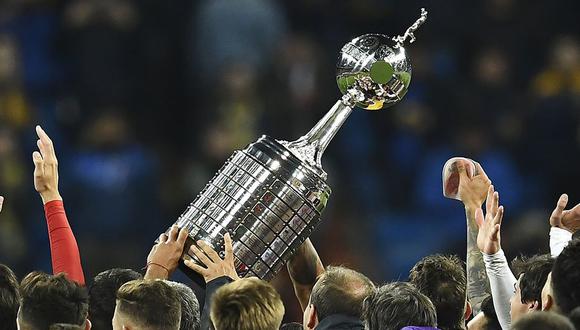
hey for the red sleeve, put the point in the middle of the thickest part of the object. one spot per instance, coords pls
(64, 250)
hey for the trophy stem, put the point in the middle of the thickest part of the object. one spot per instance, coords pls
(310, 147)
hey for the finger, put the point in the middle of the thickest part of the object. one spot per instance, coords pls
(38, 164)
(228, 247)
(1, 202)
(479, 218)
(495, 232)
(479, 171)
(462, 171)
(162, 238)
(200, 255)
(173, 234)
(47, 146)
(209, 251)
(182, 236)
(195, 267)
(495, 204)
(489, 199)
(499, 216)
(559, 212)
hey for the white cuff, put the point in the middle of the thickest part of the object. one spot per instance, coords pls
(559, 239)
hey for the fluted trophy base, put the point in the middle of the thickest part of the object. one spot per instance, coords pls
(267, 199)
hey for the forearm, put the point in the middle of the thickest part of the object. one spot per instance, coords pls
(304, 269)
(64, 250)
(559, 239)
(477, 281)
(502, 283)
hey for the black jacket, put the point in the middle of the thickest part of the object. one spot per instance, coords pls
(342, 322)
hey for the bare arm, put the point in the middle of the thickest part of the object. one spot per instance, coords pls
(477, 282)
(304, 268)
(473, 192)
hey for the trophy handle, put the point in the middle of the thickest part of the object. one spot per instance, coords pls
(310, 147)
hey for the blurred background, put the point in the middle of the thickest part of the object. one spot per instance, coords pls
(146, 99)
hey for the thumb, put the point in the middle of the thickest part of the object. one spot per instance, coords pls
(556, 216)
(461, 170)
(495, 232)
(479, 218)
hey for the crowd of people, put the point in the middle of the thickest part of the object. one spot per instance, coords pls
(442, 292)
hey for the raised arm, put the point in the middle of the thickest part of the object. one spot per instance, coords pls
(64, 250)
(304, 268)
(472, 192)
(501, 279)
(564, 223)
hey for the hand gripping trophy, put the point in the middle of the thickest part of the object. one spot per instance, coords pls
(270, 195)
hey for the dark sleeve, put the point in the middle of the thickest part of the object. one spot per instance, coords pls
(64, 250)
(210, 289)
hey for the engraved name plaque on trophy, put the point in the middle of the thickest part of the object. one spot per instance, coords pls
(270, 195)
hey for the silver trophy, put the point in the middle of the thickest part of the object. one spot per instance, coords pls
(270, 195)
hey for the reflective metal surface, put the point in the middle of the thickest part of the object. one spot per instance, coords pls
(270, 195)
(267, 199)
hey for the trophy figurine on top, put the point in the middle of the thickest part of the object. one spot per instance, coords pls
(270, 195)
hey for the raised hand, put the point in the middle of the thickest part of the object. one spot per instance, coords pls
(565, 219)
(164, 256)
(215, 266)
(489, 238)
(1, 202)
(45, 168)
(472, 191)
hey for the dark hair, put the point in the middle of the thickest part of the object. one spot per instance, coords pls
(543, 321)
(340, 290)
(442, 279)
(150, 303)
(9, 298)
(190, 315)
(489, 312)
(65, 326)
(534, 271)
(396, 305)
(575, 317)
(103, 295)
(566, 276)
(49, 299)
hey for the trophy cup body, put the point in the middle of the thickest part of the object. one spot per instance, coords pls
(270, 195)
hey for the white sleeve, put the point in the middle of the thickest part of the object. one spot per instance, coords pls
(501, 282)
(559, 239)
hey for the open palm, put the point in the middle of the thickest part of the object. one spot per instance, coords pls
(488, 237)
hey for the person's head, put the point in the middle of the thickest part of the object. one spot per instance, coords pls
(190, 315)
(542, 321)
(247, 304)
(442, 279)
(565, 279)
(103, 295)
(487, 319)
(9, 298)
(339, 290)
(147, 305)
(396, 305)
(532, 274)
(50, 299)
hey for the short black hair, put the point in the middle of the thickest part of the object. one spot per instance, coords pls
(489, 311)
(340, 290)
(442, 279)
(566, 276)
(49, 299)
(9, 298)
(396, 305)
(534, 271)
(190, 314)
(543, 321)
(103, 295)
